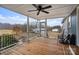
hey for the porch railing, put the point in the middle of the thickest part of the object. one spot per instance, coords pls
(7, 41)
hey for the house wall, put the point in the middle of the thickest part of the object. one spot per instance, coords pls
(73, 22)
(69, 25)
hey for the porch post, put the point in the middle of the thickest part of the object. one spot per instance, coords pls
(40, 28)
(77, 27)
(27, 28)
(46, 32)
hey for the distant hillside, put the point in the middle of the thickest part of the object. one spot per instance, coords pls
(8, 26)
(5, 26)
(23, 27)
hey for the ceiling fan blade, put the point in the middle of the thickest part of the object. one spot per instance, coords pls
(31, 10)
(45, 11)
(47, 7)
(35, 5)
(38, 12)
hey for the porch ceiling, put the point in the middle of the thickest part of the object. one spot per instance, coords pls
(57, 10)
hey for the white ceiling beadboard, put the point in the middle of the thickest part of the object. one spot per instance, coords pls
(57, 10)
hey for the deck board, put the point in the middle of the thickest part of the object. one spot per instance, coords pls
(38, 46)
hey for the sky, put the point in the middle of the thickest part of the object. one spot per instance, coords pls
(54, 22)
(8, 16)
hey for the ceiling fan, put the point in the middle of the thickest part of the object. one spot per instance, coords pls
(40, 8)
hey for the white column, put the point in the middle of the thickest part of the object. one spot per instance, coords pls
(46, 33)
(40, 27)
(28, 28)
(77, 27)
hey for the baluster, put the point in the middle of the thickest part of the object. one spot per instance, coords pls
(3, 41)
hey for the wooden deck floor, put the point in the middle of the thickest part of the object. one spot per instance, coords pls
(37, 46)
